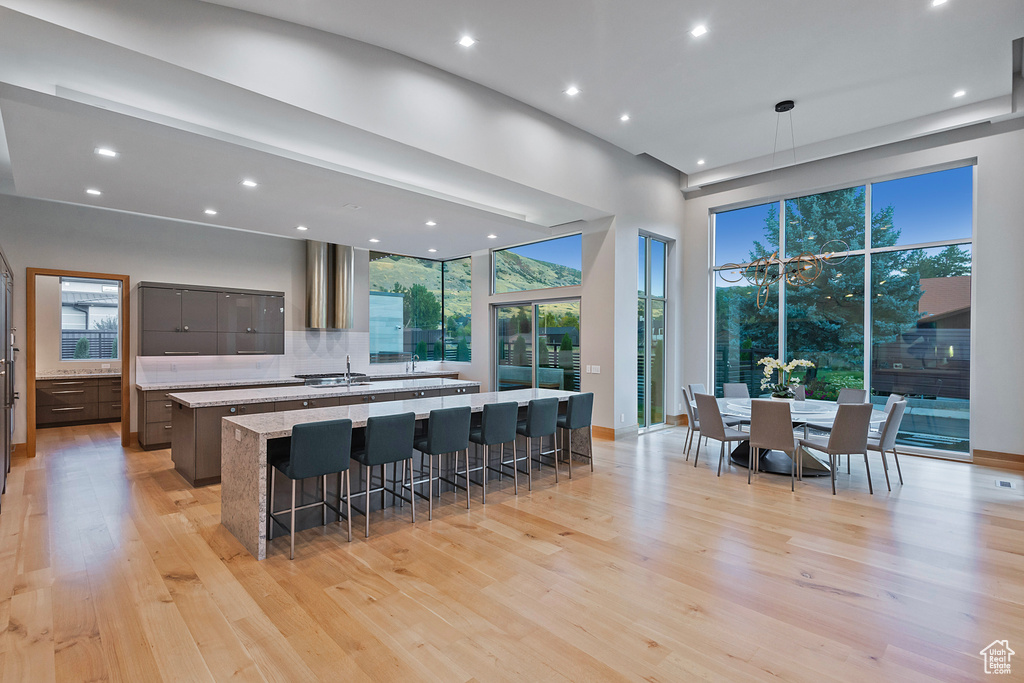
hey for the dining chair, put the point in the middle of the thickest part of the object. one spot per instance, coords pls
(714, 428)
(694, 390)
(886, 440)
(849, 395)
(849, 436)
(735, 390)
(771, 429)
(692, 425)
(892, 398)
(315, 449)
(800, 392)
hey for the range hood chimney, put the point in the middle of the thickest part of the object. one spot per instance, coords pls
(330, 285)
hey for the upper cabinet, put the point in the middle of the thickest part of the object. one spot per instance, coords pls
(182, 320)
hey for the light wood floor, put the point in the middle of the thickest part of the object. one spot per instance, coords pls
(112, 568)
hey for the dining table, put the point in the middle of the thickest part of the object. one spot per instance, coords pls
(802, 414)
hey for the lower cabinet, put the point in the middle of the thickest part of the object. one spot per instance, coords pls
(196, 435)
(77, 399)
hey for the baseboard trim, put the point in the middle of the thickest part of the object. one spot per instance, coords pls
(20, 449)
(1011, 461)
(603, 433)
(676, 420)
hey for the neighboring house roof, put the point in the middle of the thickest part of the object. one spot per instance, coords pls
(88, 299)
(942, 295)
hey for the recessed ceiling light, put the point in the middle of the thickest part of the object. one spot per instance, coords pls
(467, 41)
(93, 191)
(492, 237)
(106, 152)
(301, 227)
(624, 118)
(432, 251)
(572, 91)
(210, 212)
(936, 3)
(959, 93)
(374, 240)
(698, 31)
(700, 162)
(248, 182)
(431, 224)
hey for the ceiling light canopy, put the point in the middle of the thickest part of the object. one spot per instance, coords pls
(374, 240)
(432, 251)
(572, 91)
(93, 191)
(210, 212)
(249, 182)
(301, 227)
(431, 224)
(699, 30)
(959, 93)
(492, 237)
(624, 118)
(467, 41)
(700, 162)
(105, 152)
(936, 3)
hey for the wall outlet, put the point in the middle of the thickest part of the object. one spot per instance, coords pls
(238, 435)
(596, 369)
(622, 417)
(588, 369)
(679, 406)
(105, 366)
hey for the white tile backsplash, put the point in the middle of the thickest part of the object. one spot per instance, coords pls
(306, 352)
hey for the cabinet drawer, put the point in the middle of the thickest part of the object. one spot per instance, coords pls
(158, 411)
(158, 433)
(71, 395)
(409, 395)
(178, 343)
(65, 413)
(108, 410)
(307, 403)
(70, 383)
(107, 392)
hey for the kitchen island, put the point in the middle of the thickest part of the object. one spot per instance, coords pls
(196, 416)
(244, 490)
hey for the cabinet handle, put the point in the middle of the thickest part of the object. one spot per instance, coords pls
(64, 384)
(186, 328)
(250, 353)
(168, 405)
(248, 329)
(181, 353)
(64, 410)
(70, 391)
(167, 426)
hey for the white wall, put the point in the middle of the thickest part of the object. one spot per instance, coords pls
(998, 279)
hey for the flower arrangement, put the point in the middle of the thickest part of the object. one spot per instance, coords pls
(772, 365)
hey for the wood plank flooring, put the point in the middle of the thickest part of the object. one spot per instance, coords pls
(113, 569)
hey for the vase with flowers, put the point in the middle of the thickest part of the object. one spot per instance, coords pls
(781, 390)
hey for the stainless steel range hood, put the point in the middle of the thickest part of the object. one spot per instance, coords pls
(330, 285)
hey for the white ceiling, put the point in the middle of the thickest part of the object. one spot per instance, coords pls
(851, 67)
(165, 171)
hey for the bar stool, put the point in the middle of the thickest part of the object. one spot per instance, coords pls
(578, 415)
(541, 420)
(316, 449)
(447, 432)
(497, 427)
(388, 440)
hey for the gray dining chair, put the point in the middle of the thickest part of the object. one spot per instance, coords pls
(692, 425)
(849, 437)
(849, 395)
(886, 440)
(771, 429)
(713, 427)
(800, 392)
(694, 390)
(735, 390)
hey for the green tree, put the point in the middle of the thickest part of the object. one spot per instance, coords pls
(462, 351)
(82, 348)
(950, 262)
(519, 351)
(566, 344)
(542, 349)
(421, 350)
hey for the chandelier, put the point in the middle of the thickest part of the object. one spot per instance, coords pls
(798, 271)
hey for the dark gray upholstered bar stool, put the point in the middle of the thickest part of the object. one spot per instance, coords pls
(578, 415)
(497, 428)
(315, 449)
(447, 432)
(388, 439)
(541, 420)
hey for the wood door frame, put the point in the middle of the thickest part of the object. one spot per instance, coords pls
(30, 359)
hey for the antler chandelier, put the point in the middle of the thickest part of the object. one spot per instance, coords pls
(798, 271)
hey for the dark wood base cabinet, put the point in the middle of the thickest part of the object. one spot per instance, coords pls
(77, 400)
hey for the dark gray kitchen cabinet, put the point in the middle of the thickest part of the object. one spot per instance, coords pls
(181, 320)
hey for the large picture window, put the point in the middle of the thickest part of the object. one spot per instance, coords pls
(540, 265)
(891, 314)
(419, 307)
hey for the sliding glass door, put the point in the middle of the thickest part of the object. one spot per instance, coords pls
(538, 345)
(650, 355)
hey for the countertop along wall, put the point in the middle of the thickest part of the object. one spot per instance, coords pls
(997, 374)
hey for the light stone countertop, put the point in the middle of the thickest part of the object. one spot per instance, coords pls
(209, 399)
(276, 425)
(204, 384)
(63, 374)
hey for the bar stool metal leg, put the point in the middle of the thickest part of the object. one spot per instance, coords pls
(366, 499)
(430, 487)
(348, 500)
(291, 527)
(412, 493)
(324, 516)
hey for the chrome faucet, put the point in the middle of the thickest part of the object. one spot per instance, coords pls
(348, 369)
(414, 359)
